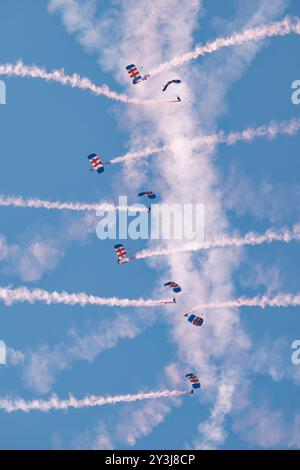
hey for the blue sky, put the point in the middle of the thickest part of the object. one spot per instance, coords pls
(46, 131)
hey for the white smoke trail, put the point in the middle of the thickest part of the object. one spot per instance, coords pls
(19, 69)
(54, 403)
(279, 28)
(11, 295)
(250, 239)
(271, 131)
(19, 201)
(138, 154)
(261, 301)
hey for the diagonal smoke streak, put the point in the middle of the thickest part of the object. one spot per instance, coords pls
(278, 28)
(22, 294)
(261, 301)
(271, 131)
(19, 201)
(19, 69)
(54, 403)
(250, 239)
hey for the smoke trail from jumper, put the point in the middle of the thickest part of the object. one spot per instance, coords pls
(11, 296)
(279, 28)
(270, 131)
(250, 239)
(19, 69)
(54, 403)
(261, 301)
(19, 201)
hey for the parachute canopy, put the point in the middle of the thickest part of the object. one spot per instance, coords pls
(169, 83)
(121, 253)
(197, 321)
(193, 379)
(173, 285)
(149, 194)
(96, 163)
(135, 74)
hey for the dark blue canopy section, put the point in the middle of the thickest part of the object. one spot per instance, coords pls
(170, 82)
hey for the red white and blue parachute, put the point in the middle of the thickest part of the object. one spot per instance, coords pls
(149, 194)
(96, 163)
(193, 379)
(135, 74)
(197, 321)
(174, 286)
(121, 254)
(169, 83)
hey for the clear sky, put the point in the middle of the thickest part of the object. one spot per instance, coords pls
(250, 388)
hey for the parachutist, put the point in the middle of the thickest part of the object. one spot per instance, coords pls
(195, 320)
(134, 73)
(121, 254)
(149, 195)
(96, 163)
(174, 286)
(193, 379)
